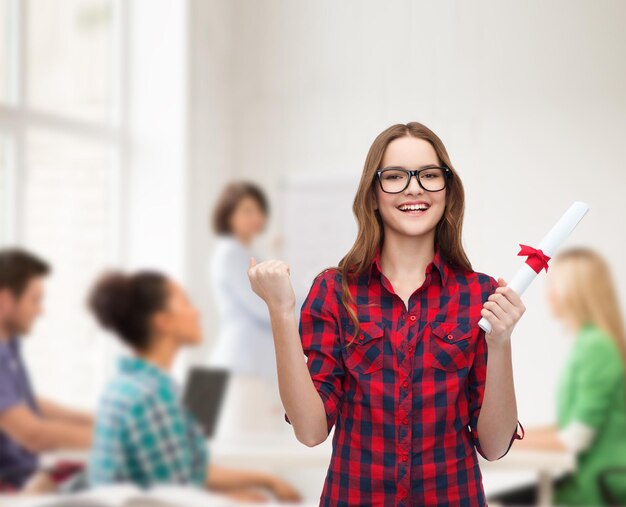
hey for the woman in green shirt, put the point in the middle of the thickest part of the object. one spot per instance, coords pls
(591, 392)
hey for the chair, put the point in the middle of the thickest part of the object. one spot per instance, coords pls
(609, 495)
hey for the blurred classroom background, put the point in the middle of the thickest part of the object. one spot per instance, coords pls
(122, 121)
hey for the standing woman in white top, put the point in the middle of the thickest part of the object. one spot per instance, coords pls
(244, 343)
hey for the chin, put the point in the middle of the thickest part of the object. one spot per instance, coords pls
(410, 226)
(412, 230)
(22, 331)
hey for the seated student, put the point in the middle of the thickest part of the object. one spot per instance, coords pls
(143, 434)
(29, 425)
(591, 392)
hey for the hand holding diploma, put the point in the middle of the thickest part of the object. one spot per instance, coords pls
(502, 310)
(537, 258)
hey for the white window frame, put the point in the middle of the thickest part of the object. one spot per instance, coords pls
(17, 118)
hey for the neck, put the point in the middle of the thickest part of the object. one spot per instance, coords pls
(5, 335)
(162, 353)
(405, 256)
(244, 240)
(575, 325)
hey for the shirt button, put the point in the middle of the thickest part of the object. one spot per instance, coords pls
(410, 348)
(405, 457)
(412, 318)
(405, 383)
(450, 337)
(361, 337)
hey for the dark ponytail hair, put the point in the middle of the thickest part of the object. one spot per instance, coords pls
(124, 304)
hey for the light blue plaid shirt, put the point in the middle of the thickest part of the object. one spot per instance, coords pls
(143, 434)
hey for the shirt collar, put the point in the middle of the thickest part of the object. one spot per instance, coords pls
(587, 326)
(10, 346)
(438, 261)
(137, 365)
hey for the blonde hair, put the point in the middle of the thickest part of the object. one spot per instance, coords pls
(584, 286)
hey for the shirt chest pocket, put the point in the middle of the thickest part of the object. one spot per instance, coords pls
(365, 354)
(449, 346)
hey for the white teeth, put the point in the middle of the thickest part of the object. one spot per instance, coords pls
(413, 207)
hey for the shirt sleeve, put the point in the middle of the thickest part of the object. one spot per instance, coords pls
(231, 275)
(9, 396)
(106, 457)
(577, 436)
(477, 379)
(319, 332)
(597, 377)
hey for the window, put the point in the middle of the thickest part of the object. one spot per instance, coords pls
(6, 40)
(61, 147)
(69, 57)
(6, 191)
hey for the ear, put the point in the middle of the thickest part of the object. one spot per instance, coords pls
(5, 298)
(159, 322)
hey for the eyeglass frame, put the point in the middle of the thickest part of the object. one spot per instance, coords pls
(447, 173)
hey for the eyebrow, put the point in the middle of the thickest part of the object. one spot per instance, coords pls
(402, 167)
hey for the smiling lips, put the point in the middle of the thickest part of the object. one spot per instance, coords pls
(417, 208)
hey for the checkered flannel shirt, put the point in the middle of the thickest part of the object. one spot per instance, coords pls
(143, 435)
(405, 396)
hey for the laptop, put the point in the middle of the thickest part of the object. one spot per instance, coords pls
(204, 396)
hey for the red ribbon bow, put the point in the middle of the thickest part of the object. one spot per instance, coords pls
(536, 259)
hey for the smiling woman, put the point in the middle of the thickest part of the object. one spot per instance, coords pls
(395, 359)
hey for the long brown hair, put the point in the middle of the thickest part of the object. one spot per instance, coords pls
(370, 226)
(583, 281)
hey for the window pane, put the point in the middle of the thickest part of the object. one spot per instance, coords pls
(5, 39)
(69, 212)
(6, 203)
(70, 55)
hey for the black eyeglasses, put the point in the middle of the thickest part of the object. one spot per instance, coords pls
(394, 180)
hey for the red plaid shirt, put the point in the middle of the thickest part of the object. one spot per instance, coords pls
(405, 396)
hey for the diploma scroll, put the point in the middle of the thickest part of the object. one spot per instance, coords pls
(537, 259)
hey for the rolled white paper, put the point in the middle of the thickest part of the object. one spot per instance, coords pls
(549, 244)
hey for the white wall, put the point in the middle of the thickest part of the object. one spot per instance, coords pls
(157, 128)
(210, 123)
(154, 105)
(527, 96)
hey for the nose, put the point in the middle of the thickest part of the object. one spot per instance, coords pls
(414, 187)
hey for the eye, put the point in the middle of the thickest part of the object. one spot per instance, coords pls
(431, 175)
(393, 175)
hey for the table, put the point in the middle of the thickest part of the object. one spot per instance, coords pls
(274, 451)
(280, 452)
(546, 465)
